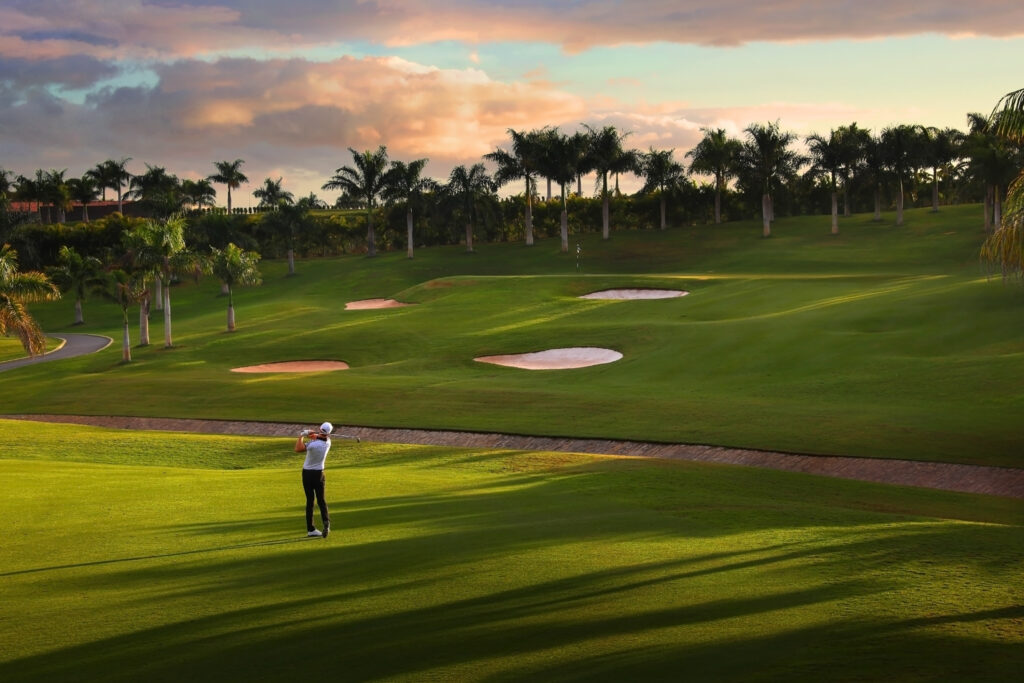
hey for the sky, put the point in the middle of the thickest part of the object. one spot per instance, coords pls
(289, 86)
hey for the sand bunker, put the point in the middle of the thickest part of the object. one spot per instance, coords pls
(555, 359)
(636, 294)
(365, 304)
(296, 366)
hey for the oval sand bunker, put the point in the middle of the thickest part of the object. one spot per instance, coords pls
(555, 359)
(366, 304)
(296, 366)
(618, 294)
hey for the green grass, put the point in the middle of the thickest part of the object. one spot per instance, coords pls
(11, 348)
(151, 556)
(882, 342)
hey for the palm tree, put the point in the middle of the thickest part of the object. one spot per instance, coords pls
(853, 146)
(5, 187)
(605, 155)
(271, 195)
(229, 173)
(78, 274)
(198, 193)
(235, 267)
(520, 164)
(162, 247)
(17, 289)
(124, 288)
(404, 183)
(29, 190)
(826, 160)
(366, 181)
(57, 193)
(83, 190)
(767, 158)
(716, 155)
(558, 162)
(1006, 245)
(286, 222)
(158, 191)
(874, 171)
(900, 146)
(662, 174)
(115, 175)
(468, 187)
(939, 149)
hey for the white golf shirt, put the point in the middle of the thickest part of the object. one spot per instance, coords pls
(316, 453)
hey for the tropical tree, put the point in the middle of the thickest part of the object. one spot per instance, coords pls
(558, 162)
(901, 152)
(115, 175)
(1005, 247)
(716, 155)
(366, 180)
(662, 174)
(853, 146)
(768, 159)
(235, 267)
(139, 264)
(826, 162)
(6, 186)
(286, 223)
(229, 173)
(198, 193)
(30, 190)
(17, 289)
(520, 164)
(158, 191)
(939, 148)
(124, 288)
(83, 190)
(271, 194)
(76, 274)
(405, 183)
(161, 246)
(605, 155)
(56, 192)
(468, 187)
(874, 171)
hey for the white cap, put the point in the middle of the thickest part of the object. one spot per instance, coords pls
(326, 428)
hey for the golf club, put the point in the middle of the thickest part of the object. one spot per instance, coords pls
(311, 432)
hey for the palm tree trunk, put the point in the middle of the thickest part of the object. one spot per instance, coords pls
(846, 201)
(85, 213)
(224, 289)
(159, 293)
(79, 320)
(935, 190)
(835, 213)
(766, 223)
(878, 204)
(408, 232)
(126, 342)
(605, 208)
(997, 209)
(291, 261)
(229, 199)
(529, 215)
(120, 203)
(564, 222)
(469, 236)
(579, 185)
(718, 205)
(662, 202)
(549, 189)
(899, 204)
(144, 322)
(371, 236)
(988, 209)
(167, 318)
(231, 311)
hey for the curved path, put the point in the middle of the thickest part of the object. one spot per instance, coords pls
(71, 345)
(998, 481)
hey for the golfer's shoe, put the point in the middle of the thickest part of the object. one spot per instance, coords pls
(314, 534)
(327, 530)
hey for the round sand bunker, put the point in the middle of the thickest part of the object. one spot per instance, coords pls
(619, 294)
(555, 359)
(296, 366)
(367, 304)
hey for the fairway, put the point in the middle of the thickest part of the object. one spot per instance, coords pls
(159, 556)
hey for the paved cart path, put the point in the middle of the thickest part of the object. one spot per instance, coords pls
(999, 481)
(71, 345)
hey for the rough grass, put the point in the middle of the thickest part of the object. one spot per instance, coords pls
(881, 341)
(154, 556)
(11, 348)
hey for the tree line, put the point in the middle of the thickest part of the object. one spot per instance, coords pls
(761, 173)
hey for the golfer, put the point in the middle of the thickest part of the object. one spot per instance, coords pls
(315, 444)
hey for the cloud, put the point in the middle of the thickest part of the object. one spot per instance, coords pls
(69, 72)
(155, 30)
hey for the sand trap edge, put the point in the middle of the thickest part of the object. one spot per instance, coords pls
(295, 366)
(373, 304)
(570, 358)
(635, 294)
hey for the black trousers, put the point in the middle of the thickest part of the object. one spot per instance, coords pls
(313, 484)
